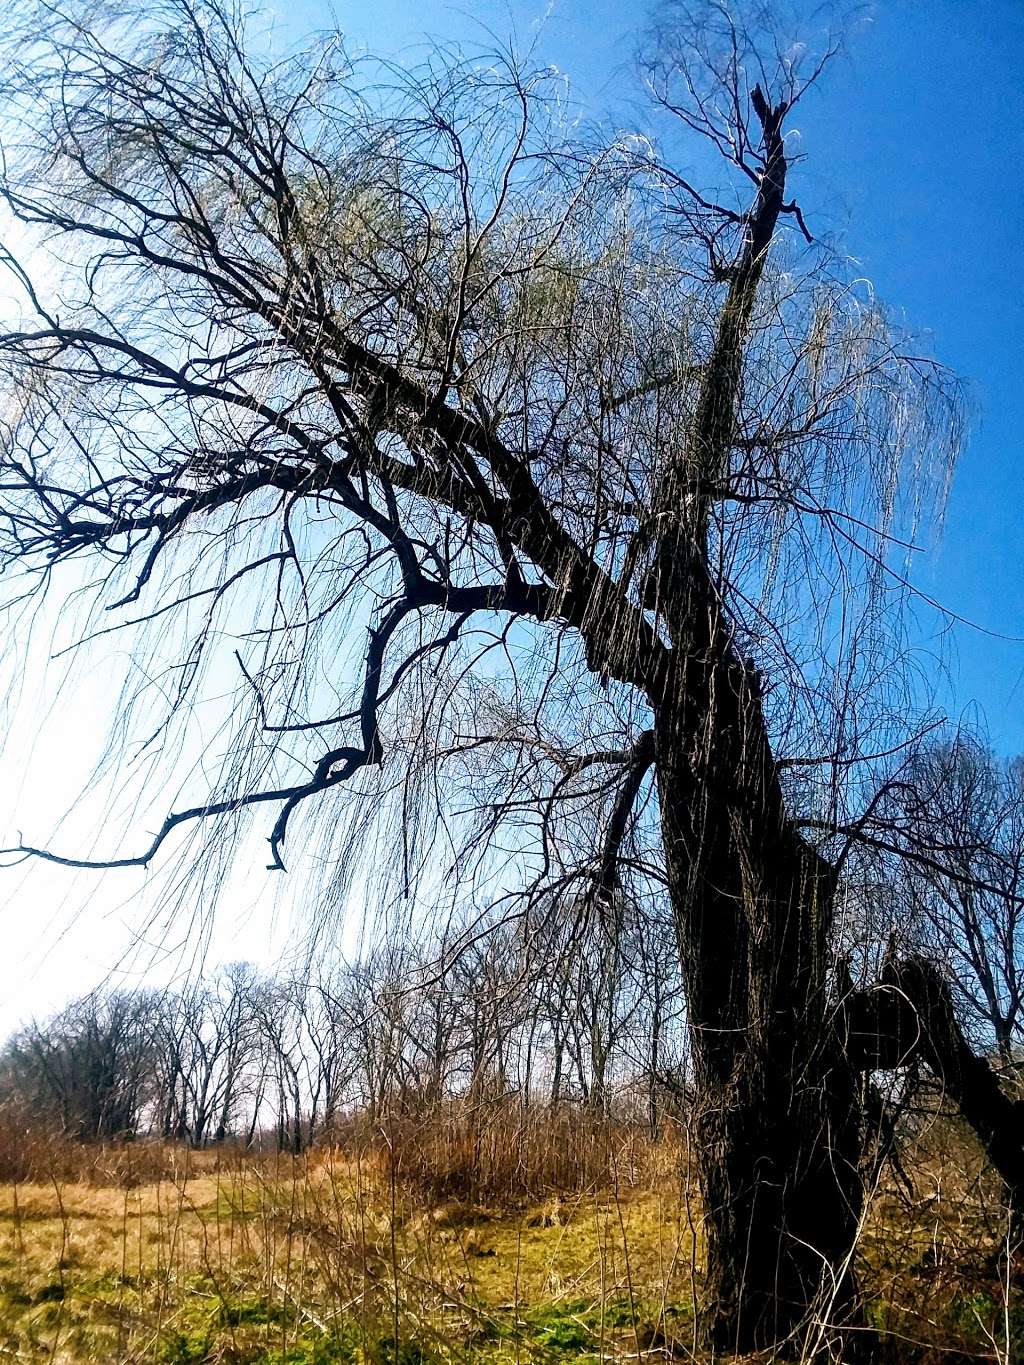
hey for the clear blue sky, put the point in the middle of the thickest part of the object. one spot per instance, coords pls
(915, 147)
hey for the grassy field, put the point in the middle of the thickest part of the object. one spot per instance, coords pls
(330, 1259)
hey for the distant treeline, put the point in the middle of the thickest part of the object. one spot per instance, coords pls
(254, 1058)
(581, 1008)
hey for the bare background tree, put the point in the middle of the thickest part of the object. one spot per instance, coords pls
(88, 1070)
(247, 1059)
(968, 911)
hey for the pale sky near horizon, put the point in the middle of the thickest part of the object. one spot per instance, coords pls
(913, 151)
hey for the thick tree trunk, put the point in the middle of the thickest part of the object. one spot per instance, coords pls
(778, 1118)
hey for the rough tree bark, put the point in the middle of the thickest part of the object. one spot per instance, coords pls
(777, 1114)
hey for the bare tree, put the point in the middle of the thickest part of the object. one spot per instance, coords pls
(607, 478)
(278, 1010)
(969, 911)
(331, 1063)
(207, 1037)
(654, 1052)
(372, 999)
(87, 1070)
(483, 990)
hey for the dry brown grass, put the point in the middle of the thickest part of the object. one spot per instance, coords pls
(89, 1269)
(30, 1152)
(330, 1257)
(501, 1151)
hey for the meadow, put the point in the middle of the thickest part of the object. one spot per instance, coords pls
(446, 1243)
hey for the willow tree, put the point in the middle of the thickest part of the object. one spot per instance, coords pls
(542, 503)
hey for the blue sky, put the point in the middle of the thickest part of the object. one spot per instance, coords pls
(913, 147)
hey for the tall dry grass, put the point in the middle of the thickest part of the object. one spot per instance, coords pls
(469, 1232)
(31, 1152)
(500, 1151)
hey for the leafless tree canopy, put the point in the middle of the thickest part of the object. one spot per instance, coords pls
(387, 364)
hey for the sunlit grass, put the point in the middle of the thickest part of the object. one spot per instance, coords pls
(281, 1261)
